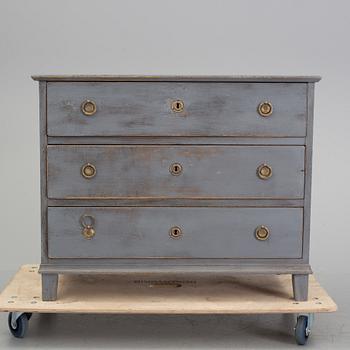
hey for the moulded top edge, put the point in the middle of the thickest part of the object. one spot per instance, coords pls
(183, 78)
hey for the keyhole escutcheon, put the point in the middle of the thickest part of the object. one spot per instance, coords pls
(177, 106)
(175, 232)
(175, 169)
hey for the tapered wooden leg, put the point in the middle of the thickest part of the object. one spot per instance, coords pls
(300, 287)
(49, 282)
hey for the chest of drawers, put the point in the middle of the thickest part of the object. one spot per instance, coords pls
(175, 174)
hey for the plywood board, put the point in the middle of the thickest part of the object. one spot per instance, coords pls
(162, 294)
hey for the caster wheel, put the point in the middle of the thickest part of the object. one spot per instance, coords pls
(301, 333)
(29, 315)
(21, 325)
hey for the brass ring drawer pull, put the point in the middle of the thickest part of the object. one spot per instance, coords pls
(88, 107)
(264, 171)
(262, 233)
(265, 108)
(175, 169)
(177, 106)
(175, 232)
(88, 171)
(88, 223)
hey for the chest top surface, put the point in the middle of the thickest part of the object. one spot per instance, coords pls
(179, 78)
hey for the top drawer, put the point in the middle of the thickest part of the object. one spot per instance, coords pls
(175, 109)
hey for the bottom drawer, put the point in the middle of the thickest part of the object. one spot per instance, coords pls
(168, 232)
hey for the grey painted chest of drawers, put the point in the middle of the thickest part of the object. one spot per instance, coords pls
(179, 174)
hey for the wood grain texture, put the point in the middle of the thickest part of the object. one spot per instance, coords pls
(206, 233)
(49, 285)
(177, 202)
(171, 140)
(300, 287)
(219, 110)
(143, 172)
(198, 266)
(308, 172)
(156, 294)
(180, 78)
(144, 109)
(43, 169)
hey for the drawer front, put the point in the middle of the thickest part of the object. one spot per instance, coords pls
(145, 232)
(145, 109)
(175, 172)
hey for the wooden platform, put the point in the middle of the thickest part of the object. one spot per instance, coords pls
(156, 294)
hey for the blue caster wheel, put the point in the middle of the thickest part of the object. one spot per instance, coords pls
(302, 331)
(19, 327)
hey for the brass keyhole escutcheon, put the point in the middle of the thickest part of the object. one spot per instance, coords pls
(264, 171)
(88, 223)
(175, 232)
(175, 169)
(262, 233)
(88, 107)
(88, 232)
(177, 106)
(88, 170)
(265, 109)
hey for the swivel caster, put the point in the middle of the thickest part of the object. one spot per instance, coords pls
(302, 329)
(18, 323)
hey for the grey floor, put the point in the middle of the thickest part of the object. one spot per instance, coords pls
(63, 331)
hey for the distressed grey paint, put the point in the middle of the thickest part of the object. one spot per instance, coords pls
(149, 265)
(207, 233)
(171, 140)
(49, 284)
(300, 287)
(308, 173)
(143, 109)
(297, 99)
(43, 170)
(176, 202)
(183, 78)
(143, 171)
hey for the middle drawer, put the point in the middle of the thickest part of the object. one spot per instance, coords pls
(87, 172)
